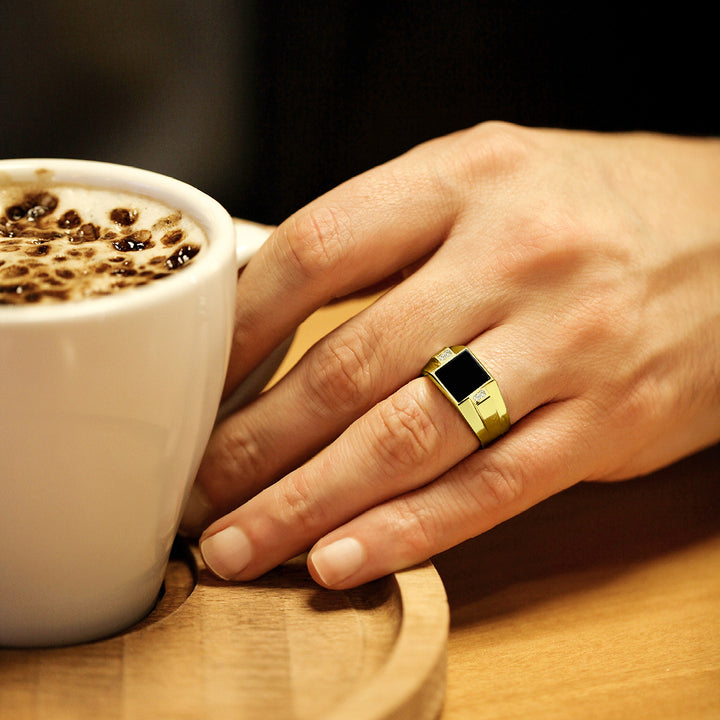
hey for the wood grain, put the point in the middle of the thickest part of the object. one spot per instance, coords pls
(279, 647)
(602, 602)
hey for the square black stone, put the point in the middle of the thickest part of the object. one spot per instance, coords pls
(462, 375)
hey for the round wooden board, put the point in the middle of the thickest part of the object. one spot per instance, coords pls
(279, 647)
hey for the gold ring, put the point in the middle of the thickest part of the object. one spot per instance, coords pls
(472, 390)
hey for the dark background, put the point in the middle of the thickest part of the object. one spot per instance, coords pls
(265, 105)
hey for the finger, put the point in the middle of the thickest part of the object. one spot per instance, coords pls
(341, 481)
(537, 458)
(353, 237)
(402, 443)
(339, 379)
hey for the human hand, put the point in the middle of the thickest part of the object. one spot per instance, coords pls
(582, 269)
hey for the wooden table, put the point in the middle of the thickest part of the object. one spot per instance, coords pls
(602, 602)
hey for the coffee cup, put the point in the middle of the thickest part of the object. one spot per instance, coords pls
(106, 406)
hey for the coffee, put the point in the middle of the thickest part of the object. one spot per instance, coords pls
(67, 243)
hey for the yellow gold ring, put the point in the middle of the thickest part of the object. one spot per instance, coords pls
(472, 390)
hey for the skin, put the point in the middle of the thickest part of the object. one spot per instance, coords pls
(582, 269)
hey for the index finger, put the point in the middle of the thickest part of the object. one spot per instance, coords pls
(351, 238)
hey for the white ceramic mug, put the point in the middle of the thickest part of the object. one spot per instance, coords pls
(106, 406)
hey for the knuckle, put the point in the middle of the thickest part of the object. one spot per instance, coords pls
(497, 486)
(493, 149)
(415, 529)
(643, 405)
(297, 502)
(237, 452)
(341, 377)
(591, 334)
(405, 433)
(317, 240)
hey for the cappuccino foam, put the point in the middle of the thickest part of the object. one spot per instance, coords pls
(66, 243)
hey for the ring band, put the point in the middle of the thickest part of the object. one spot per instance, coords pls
(472, 390)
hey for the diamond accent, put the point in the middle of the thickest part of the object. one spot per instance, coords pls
(446, 354)
(479, 396)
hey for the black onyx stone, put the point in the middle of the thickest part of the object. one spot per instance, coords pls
(462, 375)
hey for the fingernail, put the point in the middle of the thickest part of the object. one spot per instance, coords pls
(338, 561)
(227, 553)
(197, 514)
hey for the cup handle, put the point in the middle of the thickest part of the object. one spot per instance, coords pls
(249, 236)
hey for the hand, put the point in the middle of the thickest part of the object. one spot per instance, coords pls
(582, 269)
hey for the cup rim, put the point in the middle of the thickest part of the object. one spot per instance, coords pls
(210, 215)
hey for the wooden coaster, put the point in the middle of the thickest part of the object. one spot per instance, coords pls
(279, 647)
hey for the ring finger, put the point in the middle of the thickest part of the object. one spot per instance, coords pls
(401, 444)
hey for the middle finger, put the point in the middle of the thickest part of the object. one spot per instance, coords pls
(339, 379)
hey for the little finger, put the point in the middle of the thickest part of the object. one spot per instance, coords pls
(536, 459)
